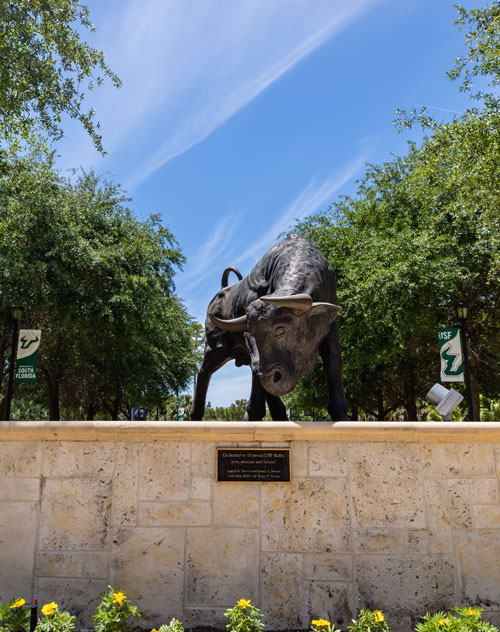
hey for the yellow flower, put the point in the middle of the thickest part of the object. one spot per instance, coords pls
(244, 603)
(154, 630)
(473, 612)
(379, 617)
(49, 608)
(442, 622)
(118, 597)
(18, 603)
(320, 622)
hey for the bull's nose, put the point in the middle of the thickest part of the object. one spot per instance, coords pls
(276, 376)
(276, 381)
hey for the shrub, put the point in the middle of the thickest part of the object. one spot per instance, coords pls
(114, 611)
(244, 617)
(54, 620)
(469, 620)
(369, 621)
(13, 617)
(173, 626)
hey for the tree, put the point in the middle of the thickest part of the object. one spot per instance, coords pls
(99, 283)
(422, 233)
(45, 69)
(310, 396)
(406, 250)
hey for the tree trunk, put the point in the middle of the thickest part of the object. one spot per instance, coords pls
(90, 412)
(354, 412)
(410, 392)
(2, 356)
(380, 406)
(54, 408)
(3, 403)
(115, 409)
(474, 385)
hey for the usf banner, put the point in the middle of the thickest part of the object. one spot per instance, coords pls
(27, 355)
(450, 350)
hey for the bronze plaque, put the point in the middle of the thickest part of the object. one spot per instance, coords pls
(253, 465)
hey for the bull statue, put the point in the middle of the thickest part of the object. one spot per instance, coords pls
(276, 320)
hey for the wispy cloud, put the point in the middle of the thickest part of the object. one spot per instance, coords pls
(435, 107)
(227, 243)
(310, 199)
(200, 266)
(188, 67)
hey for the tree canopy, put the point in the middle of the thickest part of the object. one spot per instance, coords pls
(99, 283)
(46, 70)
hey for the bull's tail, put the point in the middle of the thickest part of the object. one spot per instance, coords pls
(225, 275)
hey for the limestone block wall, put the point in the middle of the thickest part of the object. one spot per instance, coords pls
(402, 516)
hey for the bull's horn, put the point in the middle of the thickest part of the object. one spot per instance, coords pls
(235, 324)
(225, 275)
(330, 306)
(301, 302)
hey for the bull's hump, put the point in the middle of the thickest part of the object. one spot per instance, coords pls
(298, 266)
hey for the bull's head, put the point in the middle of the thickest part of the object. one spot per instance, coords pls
(287, 331)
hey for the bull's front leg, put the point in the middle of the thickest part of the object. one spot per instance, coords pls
(200, 395)
(276, 407)
(329, 350)
(256, 407)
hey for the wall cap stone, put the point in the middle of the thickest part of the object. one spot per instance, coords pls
(251, 431)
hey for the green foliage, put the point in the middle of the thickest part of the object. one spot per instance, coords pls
(483, 41)
(490, 409)
(469, 620)
(53, 620)
(173, 626)
(45, 69)
(369, 621)
(244, 617)
(13, 617)
(27, 409)
(99, 283)
(456, 415)
(113, 612)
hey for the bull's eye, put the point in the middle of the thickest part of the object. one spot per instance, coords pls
(279, 331)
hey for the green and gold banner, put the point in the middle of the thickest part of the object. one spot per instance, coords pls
(450, 350)
(27, 355)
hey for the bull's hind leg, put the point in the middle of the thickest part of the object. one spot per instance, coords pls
(329, 350)
(212, 361)
(256, 407)
(276, 407)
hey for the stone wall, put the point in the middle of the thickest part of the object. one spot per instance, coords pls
(402, 516)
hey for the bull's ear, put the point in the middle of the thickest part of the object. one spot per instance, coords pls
(326, 308)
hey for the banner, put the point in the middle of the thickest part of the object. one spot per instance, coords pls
(27, 355)
(450, 350)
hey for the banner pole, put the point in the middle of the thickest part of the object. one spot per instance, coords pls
(12, 364)
(463, 323)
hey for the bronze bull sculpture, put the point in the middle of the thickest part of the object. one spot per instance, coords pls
(276, 320)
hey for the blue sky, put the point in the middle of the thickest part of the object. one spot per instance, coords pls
(236, 117)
